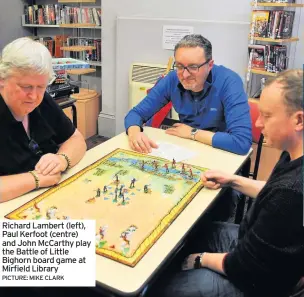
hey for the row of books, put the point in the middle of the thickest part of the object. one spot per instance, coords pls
(57, 14)
(94, 55)
(270, 58)
(54, 44)
(276, 24)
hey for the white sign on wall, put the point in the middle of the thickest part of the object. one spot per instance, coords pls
(173, 34)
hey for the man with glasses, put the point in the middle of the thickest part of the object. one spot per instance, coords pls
(209, 99)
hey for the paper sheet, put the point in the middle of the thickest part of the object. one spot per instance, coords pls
(169, 151)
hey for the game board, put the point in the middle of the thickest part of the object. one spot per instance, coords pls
(133, 198)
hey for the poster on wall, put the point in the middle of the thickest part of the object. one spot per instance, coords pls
(173, 34)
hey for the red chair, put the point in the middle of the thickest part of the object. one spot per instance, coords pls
(257, 137)
(159, 117)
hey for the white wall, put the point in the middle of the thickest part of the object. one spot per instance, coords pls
(236, 10)
(10, 22)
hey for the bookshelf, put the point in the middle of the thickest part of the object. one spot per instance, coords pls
(73, 28)
(79, 20)
(272, 40)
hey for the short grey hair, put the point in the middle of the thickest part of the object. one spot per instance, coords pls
(26, 54)
(196, 40)
(291, 82)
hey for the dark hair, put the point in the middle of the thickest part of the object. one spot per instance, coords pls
(291, 82)
(195, 40)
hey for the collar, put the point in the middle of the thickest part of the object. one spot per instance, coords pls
(7, 118)
(207, 85)
(5, 113)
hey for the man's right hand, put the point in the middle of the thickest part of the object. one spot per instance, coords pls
(139, 141)
(49, 180)
(214, 180)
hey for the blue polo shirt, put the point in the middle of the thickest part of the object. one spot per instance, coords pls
(222, 107)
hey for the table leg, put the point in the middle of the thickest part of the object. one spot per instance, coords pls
(245, 171)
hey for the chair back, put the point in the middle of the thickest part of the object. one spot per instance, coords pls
(159, 117)
(254, 114)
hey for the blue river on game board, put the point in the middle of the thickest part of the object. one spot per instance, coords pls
(175, 174)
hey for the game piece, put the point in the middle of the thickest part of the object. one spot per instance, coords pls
(132, 185)
(120, 191)
(173, 163)
(117, 180)
(98, 192)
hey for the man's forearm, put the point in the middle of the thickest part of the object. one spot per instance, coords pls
(74, 148)
(247, 186)
(204, 137)
(13, 186)
(213, 261)
(236, 142)
(133, 119)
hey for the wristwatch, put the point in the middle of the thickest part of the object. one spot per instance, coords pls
(193, 132)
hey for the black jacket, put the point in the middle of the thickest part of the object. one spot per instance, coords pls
(49, 127)
(269, 258)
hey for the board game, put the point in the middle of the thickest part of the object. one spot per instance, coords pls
(132, 196)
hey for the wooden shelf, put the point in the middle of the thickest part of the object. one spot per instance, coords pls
(80, 71)
(256, 71)
(77, 48)
(278, 4)
(79, 25)
(76, 1)
(72, 26)
(292, 39)
(41, 26)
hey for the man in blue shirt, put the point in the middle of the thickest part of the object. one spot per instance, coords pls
(209, 99)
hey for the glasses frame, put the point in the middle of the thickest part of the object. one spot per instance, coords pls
(186, 67)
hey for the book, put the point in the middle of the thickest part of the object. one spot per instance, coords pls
(259, 23)
(257, 56)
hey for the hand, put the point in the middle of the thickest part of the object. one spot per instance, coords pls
(48, 180)
(180, 130)
(51, 164)
(140, 142)
(216, 179)
(189, 262)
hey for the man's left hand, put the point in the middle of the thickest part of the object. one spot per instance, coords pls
(51, 164)
(180, 130)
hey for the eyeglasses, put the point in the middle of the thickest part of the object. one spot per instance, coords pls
(34, 147)
(192, 69)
